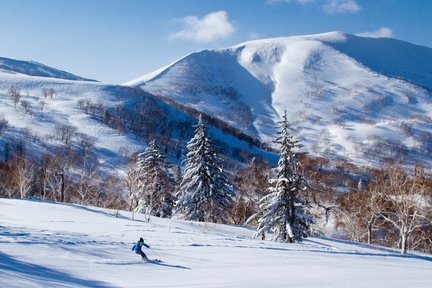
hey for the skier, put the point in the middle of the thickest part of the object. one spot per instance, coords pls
(137, 249)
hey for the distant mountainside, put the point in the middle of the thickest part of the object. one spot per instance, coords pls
(35, 69)
(112, 121)
(359, 98)
(347, 97)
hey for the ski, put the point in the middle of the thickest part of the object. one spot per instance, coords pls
(152, 261)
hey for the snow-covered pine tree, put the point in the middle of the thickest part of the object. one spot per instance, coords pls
(155, 183)
(204, 191)
(282, 210)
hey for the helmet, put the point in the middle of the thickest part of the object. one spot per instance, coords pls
(141, 240)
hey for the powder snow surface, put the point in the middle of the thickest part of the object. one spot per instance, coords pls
(63, 245)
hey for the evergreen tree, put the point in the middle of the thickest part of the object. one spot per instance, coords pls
(282, 210)
(204, 191)
(155, 183)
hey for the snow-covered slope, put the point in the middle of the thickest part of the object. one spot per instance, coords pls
(32, 68)
(347, 96)
(63, 245)
(38, 126)
(36, 119)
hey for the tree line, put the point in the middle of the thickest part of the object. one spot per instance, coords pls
(389, 206)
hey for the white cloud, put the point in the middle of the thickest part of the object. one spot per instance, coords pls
(211, 27)
(341, 6)
(381, 32)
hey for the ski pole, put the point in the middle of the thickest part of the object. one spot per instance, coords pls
(157, 254)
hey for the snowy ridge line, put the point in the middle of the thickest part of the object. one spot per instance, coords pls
(149, 76)
(345, 98)
(32, 68)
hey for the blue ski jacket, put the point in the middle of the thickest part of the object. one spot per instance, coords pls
(138, 245)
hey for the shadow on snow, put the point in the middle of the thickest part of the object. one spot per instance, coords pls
(13, 269)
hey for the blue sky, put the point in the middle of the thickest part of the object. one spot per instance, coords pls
(115, 41)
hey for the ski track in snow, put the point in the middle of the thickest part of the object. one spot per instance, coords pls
(44, 244)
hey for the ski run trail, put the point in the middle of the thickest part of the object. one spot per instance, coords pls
(46, 244)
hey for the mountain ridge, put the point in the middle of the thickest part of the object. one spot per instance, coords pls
(33, 68)
(338, 107)
(350, 91)
(333, 39)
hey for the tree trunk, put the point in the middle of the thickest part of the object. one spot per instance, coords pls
(132, 208)
(369, 232)
(62, 188)
(291, 215)
(43, 188)
(53, 195)
(283, 232)
(404, 242)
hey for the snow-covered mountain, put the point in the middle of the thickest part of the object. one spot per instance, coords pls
(360, 98)
(116, 120)
(63, 245)
(32, 68)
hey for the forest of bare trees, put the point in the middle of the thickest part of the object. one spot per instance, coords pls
(394, 209)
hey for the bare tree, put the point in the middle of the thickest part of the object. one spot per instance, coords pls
(22, 176)
(113, 196)
(48, 92)
(3, 125)
(360, 212)
(65, 133)
(60, 178)
(27, 106)
(407, 202)
(395, 204)
(250, 185)
(42, 175)
(7, 187)
(133, 187)
(87, 183)
(57, 172)
(41, 107)
(15, 95)
(86, 145)
(81, 104)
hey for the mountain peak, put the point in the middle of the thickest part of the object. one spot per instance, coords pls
(327, 82)
(33, 68)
